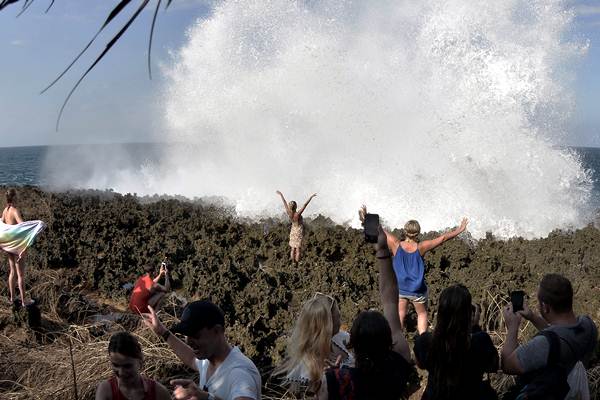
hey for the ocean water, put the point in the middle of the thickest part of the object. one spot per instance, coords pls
(424, 110)
(40, 165)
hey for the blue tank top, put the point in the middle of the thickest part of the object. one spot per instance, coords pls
(410, 272)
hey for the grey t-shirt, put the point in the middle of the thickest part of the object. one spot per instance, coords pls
(576, 343)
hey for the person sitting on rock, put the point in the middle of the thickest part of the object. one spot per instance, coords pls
(148, 292)
(297, 230)
(457, 353)
(410, 267)
(381, 352)
(316, 342)
(546, 364)
(225, 373)
(126, 359)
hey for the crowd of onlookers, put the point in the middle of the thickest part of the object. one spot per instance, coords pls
(374, 359)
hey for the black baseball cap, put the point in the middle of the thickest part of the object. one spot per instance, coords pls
(198, 315)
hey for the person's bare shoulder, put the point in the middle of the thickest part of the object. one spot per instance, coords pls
(103, 391)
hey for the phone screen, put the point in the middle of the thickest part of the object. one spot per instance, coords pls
(371, 227)
(516, 298)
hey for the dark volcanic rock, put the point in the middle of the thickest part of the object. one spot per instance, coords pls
(105, 239)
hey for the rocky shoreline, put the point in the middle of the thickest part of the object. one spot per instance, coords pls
(100, 240)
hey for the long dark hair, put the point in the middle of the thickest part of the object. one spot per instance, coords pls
(451, 342)
(371, 339)
(10, 196)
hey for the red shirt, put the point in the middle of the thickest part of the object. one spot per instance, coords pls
(117, 395)
(141, 294)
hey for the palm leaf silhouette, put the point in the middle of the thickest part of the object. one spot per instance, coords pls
(117, 10)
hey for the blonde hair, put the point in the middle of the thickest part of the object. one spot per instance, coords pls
(310, 343)
(412, 229)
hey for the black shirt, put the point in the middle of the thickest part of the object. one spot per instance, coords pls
(482, 357)
(389, 383)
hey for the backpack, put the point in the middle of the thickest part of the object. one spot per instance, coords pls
(547, 383)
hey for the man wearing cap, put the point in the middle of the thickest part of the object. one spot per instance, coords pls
(225, 372)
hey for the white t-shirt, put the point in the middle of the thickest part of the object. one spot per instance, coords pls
(236, 377)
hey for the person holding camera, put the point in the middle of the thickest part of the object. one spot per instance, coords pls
(381, 352)
(546, 364)
(410, 268)
(148, 292)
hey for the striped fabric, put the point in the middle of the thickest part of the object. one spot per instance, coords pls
(15, 239)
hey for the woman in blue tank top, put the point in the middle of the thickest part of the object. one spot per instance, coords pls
(410, 268)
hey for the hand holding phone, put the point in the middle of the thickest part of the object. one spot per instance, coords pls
(516, 298)
(371, 225)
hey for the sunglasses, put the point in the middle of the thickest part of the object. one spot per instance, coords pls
(319, 294)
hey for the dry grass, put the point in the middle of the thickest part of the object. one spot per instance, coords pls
(40, 367)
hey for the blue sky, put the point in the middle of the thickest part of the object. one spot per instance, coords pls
(118, 103)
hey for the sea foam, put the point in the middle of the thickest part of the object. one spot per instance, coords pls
(429, 110)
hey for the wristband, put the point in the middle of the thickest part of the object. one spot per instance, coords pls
(383, 254)
(165, 335)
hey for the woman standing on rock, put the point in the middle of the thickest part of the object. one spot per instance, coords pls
(410, 268)
(15, 237)
(297, 230)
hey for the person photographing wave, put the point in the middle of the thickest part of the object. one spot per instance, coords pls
(148, 292)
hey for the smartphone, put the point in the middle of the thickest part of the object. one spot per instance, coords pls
(371, 227)
(516, 298)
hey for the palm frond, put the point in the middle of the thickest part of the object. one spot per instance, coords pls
(106, 49)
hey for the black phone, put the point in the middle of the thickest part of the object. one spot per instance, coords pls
(516, 298)
(371, 225)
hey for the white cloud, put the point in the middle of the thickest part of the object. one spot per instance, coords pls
(17, 42)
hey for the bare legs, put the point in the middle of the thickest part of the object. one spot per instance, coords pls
(12, 272)
(421, 310)
(17, 267)
(402, 310)
(155, 300)
(295, 254)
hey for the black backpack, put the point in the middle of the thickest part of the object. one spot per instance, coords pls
(548, 383)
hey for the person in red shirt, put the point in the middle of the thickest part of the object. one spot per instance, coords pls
(148, 292)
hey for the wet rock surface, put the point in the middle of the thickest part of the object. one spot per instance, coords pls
(100, 240)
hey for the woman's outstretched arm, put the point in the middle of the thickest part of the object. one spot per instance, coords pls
(305, 204)
(427, 245)
(285, 205)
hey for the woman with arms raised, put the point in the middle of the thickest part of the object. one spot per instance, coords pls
(297, 230)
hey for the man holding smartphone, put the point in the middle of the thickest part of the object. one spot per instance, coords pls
(563, 341)
(147, 291)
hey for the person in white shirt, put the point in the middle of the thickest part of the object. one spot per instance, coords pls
(225, 373)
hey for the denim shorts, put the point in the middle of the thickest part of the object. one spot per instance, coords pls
(421, 299)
